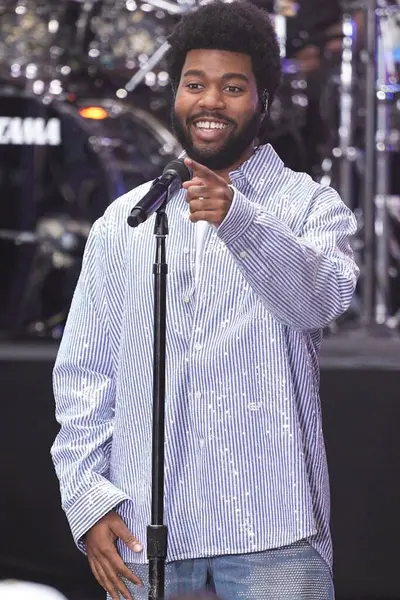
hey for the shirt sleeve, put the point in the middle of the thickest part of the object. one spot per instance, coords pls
(305, 281)
(84, 390)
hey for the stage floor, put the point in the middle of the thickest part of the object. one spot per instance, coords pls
(360, 350)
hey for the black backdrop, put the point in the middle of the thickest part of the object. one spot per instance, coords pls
(361, 415)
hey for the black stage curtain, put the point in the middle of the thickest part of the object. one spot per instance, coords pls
(361, 419)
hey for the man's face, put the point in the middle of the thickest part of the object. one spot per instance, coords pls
(217, 114)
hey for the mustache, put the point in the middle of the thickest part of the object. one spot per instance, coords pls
(210, 115)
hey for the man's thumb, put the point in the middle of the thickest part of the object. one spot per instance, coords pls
(121, 530)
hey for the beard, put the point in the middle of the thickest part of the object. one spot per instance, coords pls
(218, 159)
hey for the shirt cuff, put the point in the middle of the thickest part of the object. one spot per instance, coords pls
(91, 507)
(240, 216)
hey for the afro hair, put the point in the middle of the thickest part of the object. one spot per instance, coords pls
(237, 26)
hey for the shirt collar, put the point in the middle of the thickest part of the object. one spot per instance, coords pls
(263, 166)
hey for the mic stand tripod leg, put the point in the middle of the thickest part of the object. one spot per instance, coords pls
(157, 532)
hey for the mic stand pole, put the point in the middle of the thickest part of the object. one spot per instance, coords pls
(157, 533)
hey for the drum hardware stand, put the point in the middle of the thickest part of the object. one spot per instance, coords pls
(346, 150)
(375, 278)
(159, 54)
(382, 220)
(384, 148)
(169, 7)
(385, 145)
(393, 209)
(82, 22)
(35, 279)
(151, 63)
(283, 9)
(57, 245)
(379, 99)
(368, 277)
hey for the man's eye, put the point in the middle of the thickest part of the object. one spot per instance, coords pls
(193, 86)
(234, 89)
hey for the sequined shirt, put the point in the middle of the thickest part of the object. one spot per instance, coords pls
(245, 465)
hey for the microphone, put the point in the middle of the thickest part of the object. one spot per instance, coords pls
(174, 174)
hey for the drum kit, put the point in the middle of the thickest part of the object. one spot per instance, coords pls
(84, 110)
(71, 141)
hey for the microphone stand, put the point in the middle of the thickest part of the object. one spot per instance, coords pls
(157, 533)
(158, 196)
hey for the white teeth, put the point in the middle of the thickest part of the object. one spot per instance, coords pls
(210, 125)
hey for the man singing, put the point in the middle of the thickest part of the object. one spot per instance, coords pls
(259, 263)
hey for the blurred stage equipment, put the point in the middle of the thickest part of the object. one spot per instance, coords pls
(84, 111)
(27, 41)
(288, 111)
(62, 164)
(121, 36)
(365, 146)
(66, 149)
(385, 267)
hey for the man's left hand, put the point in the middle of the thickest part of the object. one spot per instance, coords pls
(208, 195)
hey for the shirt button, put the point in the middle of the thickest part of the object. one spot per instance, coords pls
(197, 395)
(243, 254)
(198, 346)
(186, 299)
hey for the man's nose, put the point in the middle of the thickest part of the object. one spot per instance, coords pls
(212, 99)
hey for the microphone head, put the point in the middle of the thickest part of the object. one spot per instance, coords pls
(178, 168)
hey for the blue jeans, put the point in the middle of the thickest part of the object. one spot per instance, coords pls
(295, 572)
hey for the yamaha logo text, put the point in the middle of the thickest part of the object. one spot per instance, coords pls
(30, 131)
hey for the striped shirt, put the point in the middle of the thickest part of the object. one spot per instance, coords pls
(245, 461)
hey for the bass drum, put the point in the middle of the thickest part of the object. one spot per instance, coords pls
(61, 165)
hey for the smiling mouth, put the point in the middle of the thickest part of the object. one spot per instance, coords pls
(210, 125)
(207, 130)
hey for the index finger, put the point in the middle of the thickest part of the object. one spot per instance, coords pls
(200, 170)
